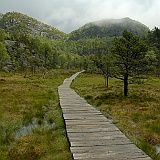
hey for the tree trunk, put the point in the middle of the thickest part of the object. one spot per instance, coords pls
(107, 83)
(33, 71)
(25, 75)
(106, 78)
(125, 84)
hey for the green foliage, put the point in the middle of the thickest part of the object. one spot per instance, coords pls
(32, 45)
(153, 39)
(130, 52)
(38, 53)
(2, 35)
(109, 28)
(104, 62)
(4, 57)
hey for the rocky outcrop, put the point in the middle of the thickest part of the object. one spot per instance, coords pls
(10, 43)
(22, 23)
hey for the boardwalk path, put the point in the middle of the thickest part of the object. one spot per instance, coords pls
(90, 134)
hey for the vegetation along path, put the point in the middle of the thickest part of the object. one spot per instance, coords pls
(91, 135)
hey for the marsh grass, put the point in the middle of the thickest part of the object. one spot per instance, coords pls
(137, 115)
(23, 101)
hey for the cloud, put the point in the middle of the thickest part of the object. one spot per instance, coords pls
(151, 16)
(68, 15)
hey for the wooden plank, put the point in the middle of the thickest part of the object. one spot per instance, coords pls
(86, 143)
(92, 136)
(108, 148)
(89, 122)
(91, 128)
(84, 112)
(82, 137)
(98, 125)
(74, 117)
(71, 109)
(113, 155)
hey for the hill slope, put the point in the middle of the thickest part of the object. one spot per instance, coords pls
(109, 28)
(15, 21)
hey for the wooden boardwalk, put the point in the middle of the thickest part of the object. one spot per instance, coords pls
(91, 135)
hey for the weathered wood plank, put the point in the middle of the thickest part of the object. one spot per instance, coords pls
(92, 136)
(113, 155)
(86, 113)
(79, 110)
(87, 122)
(108, 148)
(104, 137)
(90, 128)
(86, 143)
(74, 117)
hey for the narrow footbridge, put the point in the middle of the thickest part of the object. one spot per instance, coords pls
(91, 135)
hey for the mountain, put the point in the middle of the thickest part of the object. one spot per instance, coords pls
(109, 28)
(14, 21)
(18, 22)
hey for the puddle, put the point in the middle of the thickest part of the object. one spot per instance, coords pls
(28, 129)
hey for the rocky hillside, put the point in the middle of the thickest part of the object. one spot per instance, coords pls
(109, 28)
(14, 21)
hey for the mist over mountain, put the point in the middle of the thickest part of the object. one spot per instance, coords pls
(109, 28)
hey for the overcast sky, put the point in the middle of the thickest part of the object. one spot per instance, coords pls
(68, 15)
